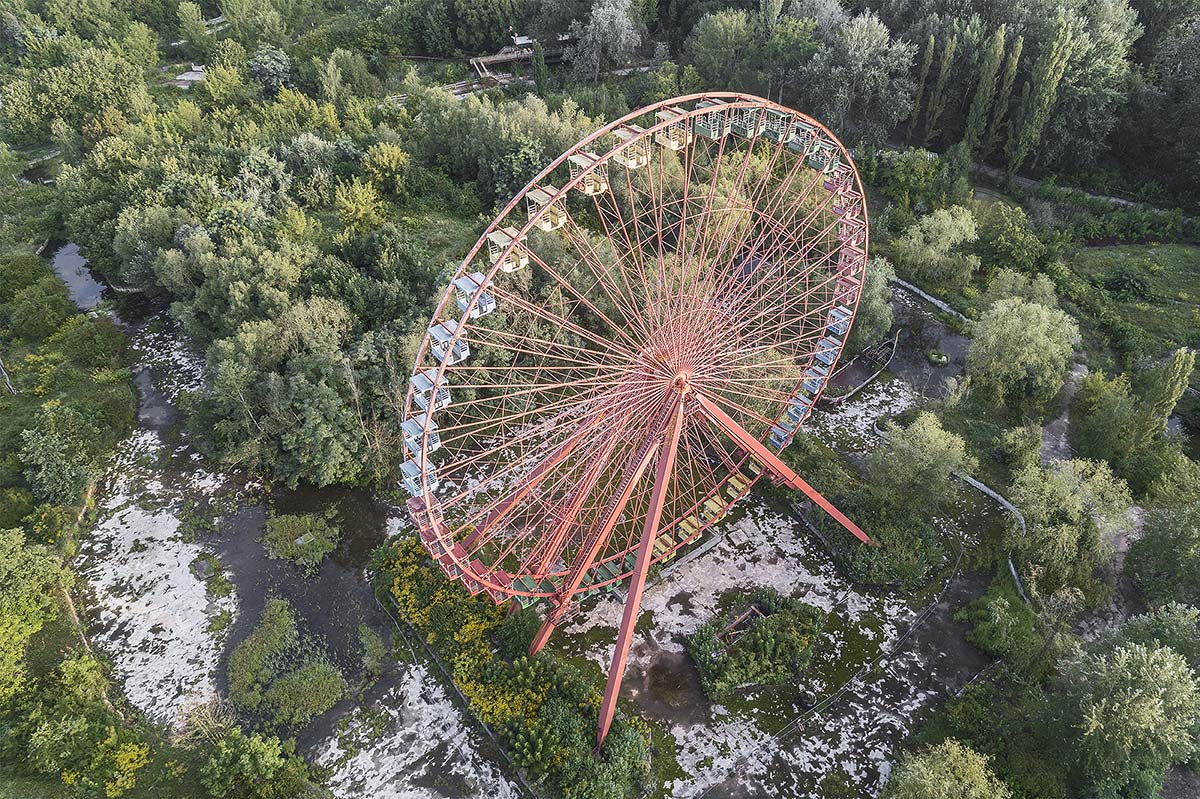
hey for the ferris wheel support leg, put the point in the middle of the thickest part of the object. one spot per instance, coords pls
(781, 469)
(556, 613)
(637, 582)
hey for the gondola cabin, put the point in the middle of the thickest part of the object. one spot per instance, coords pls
(498, 240)
(443, 344)
(545, 211)
(471, 291)
(748, 122)
(637, 154)
(424, 394)
(678, 133)
(778, 127)
(712, 124)
(595, 174)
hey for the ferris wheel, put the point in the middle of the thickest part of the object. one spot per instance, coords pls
(628, 347)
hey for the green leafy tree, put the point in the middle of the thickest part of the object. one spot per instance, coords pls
(981, 102)
(1165, 559)
(31, 577)
(1003, 97)
(1161, 389)
(1007, 240)
(484, 24)
(874, 316)
(1173, 625)
(58, 453)
(251, 767)
(937, 97)
(859, 83)
(1073, 511)
(193, 30)
(1133, 712)
(917, 462)
(933, 247)
(949, 770)
(38, 309)
(926, 63)
(1044, 82)
(1008, 283)
(1020, 350)
(721, 47)
(271, 68)
(386, 164)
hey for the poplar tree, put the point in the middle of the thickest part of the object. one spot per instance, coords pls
(981, 103)
(1003, 98)
(926, 62)
(1043, 92)
(937, 100)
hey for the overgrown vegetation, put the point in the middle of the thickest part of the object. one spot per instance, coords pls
(545, 709)
(303, 539)
(767, 640)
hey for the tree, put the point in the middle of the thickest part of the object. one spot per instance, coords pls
(1165, 559)
(721, 47)
(981, 102)
(193, 30)
(358, 205)
(39, 308)
(1072, 510)
(1006, 240)
(1008, 283)
(271, 68)
(948, 770)
(937, 99)
(859, 83)
(1159, 19)
(1003, 97)
(484, 24)
(1019, 352)
(1133, 712)
(607, 39)
(918, 461)
(57, 453)
(933, 247)
(1173, 625)
(31, 576)
(251, 767)
(1043, 83)
(386, 164)
(874, 316)
(1160, 389)
(926, 63)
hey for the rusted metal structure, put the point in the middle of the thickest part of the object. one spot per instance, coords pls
(626, 350)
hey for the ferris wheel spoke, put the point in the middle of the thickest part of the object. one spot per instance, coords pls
(626, 304)
(557, 319)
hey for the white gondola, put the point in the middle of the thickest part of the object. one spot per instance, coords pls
(778, 126)
(498, 241)
(417, 428)
(476, 286)
(814, 378)
(839, 320)
(545, 211)
(637, 154)
(423, 393)
(712, 124)
(441, 335)
(595, 178)
(824, 156)
(748, 122)
(798, 408)
(411, 475)
(780, 437)
(678, 133)
(827, 350)
(804, 136)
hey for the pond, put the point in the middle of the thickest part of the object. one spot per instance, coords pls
(68, 263)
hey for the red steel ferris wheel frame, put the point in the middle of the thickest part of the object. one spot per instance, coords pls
(424, 507)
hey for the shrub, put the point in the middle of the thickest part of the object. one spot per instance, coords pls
(301, 695)
(775, 647)
(304, 540)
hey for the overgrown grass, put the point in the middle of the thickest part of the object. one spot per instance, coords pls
(304, 540)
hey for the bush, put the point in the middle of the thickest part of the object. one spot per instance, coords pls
(304, 540)
(775, 647)
(301, 695)
(254, 661)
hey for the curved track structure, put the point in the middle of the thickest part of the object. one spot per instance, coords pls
(628, 347)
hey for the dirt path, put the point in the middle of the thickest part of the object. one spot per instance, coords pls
(1055, 446)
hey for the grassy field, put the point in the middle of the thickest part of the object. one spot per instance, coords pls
(1171, 311)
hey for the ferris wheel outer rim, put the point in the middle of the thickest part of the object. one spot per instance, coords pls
(732, 101)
